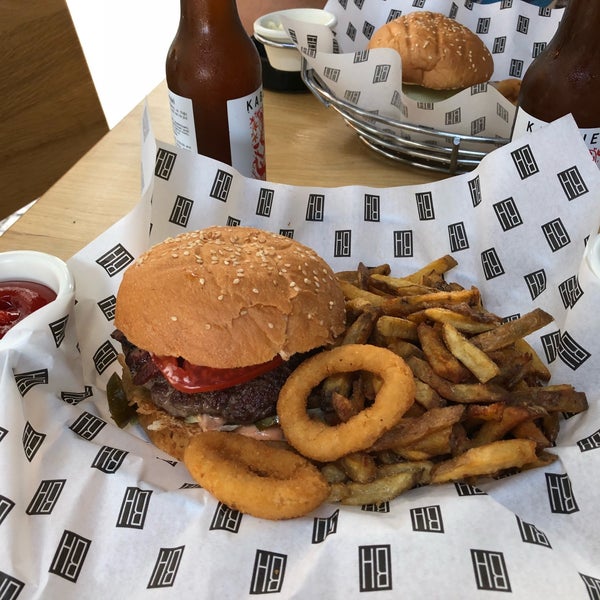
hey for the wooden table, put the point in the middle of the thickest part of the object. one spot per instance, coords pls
(307, 144)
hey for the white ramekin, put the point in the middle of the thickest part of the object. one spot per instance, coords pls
(30, 265)
(281, 51)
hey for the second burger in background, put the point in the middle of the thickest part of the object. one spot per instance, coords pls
(210, 322)
(440, 56)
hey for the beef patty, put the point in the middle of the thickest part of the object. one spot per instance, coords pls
(241, 404)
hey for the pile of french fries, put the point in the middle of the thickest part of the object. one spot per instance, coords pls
(482, 408)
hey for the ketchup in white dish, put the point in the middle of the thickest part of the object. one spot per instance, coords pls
(18, 299)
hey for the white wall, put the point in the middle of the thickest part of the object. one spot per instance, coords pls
(125, 43)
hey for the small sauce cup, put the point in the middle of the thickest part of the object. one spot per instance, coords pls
(38, 268)
(281, 51)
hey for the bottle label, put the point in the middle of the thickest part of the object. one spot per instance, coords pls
(246, 130)
(246, 134)
(182, 117)
(525, 123)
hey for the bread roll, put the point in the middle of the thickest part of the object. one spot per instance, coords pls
(437, 52)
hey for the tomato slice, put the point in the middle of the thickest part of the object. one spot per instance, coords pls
(191, 379)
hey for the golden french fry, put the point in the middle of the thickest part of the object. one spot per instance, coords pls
(542, 460)
(362, 276)
(550, 425)
(442, 361)
(426, 396)
(491, 431)
(398, 286)
(353, 292)
(403, 306)
(408, 454)
(407, 466)
(380, 490)
(385, 457)
(383, 269)
(388, 327)
(528, 430)
(459, 441)
(440, 266)
(485, 412)
(552, 398)
(333, 473)
(355, 307)
(511, 331)
(359, 331)
(348, 276)
(467, 323)
(415, 411)
(409, 431)
(457, 392)
(343, 407)
(514, 367)
(477, 392)
(338, 490)
(477, 361)
(339, 383)
(437, 443)
(358, 466)
(352, 276)
(451, 440)
(485, 460)
(405, 349)
(536, 367)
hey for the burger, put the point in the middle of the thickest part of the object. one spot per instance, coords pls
(440, 56)
(212, 322)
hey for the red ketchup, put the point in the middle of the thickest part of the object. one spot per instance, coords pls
(18, 299)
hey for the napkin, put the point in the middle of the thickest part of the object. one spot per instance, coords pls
(88, 510)
(514, 32)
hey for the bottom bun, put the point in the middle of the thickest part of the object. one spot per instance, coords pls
(168, 433)
(423, 94)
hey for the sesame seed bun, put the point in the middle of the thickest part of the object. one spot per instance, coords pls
(228, 297)
(437, 52)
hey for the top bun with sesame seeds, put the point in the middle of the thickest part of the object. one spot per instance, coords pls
(229, 297)
(437, 52)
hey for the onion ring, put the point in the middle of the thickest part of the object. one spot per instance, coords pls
(321, 442)
(254, 477)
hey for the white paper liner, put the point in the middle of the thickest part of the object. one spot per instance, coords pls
(91, 511)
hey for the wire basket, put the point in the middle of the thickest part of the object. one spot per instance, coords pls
(415, 145)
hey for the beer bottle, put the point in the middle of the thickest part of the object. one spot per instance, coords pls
(565, 77)
(214, 78)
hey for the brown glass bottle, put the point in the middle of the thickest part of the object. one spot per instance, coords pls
(565, 77)
(214, 78)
